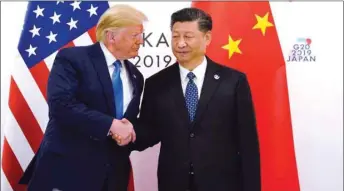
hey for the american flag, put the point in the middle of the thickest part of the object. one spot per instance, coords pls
(48, 27)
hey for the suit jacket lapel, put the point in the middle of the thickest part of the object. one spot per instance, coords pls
(132, 76)
(211, 81)
(99, 63)
(176, 93)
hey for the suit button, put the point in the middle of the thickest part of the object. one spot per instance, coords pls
(192, 135)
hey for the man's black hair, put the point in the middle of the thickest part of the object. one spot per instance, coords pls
(205, 22)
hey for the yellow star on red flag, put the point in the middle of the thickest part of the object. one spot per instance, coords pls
(262, 23)
(232, 46)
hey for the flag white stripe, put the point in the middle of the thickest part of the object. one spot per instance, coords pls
(17, 141)
(83, 40)
(5, 185)
(31, 92)
(50, 60)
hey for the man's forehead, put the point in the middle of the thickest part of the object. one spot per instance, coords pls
(136, 28)
(185, 27)
(183, 30)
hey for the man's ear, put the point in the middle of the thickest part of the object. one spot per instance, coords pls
(208, 37)
(111, 37)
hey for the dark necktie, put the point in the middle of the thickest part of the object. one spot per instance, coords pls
(118, 89)
(191, 96)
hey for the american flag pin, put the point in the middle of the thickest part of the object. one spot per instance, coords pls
(216, 77)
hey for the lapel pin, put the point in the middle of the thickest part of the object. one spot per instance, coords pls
(134, 76)
(216, 77)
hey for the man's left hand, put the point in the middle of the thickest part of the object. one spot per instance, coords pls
(125, 141)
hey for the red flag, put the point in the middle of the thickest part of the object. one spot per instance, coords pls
(245, 38)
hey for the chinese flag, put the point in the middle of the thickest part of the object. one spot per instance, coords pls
(245, 38)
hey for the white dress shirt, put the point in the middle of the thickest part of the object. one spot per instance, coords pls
(127, 85)
(199, 72)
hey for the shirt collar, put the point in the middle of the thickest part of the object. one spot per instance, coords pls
(109, 58)
(199, 71)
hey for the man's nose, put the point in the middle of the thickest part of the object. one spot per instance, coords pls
(140, 39)
(181, 43)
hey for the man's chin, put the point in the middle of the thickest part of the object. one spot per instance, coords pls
(135, 54)
(132, 56)
(182, 59)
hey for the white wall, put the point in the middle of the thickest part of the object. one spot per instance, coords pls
(315, 88)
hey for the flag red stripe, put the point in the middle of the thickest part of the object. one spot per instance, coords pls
(11, 167)
(92, 33)
(131, 186)
(24, 116)
(70, 44)
(40, 73)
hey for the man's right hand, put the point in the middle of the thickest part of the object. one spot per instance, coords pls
(122, 131)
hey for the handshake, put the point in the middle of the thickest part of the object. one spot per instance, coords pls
(122, 131)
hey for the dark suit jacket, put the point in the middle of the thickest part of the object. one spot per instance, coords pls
(221, 144)
(76, 153)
